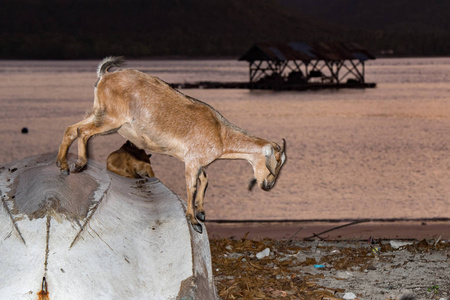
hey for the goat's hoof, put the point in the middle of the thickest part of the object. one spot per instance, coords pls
(198, 228)
(65, 172)
(201, 216)
(78, 168)
(58, 163)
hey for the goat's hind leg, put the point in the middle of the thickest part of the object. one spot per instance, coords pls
(69, 137)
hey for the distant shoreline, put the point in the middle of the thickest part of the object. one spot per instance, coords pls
(192, 58)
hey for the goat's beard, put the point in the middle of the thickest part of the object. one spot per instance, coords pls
(252, 183)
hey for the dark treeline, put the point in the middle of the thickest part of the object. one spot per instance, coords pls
(408, 27)
(75, 29)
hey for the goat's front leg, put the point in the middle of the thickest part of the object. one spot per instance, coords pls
(84, 133)
(203, 184)
(191, 184)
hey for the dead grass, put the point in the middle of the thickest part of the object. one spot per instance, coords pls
(239, 274)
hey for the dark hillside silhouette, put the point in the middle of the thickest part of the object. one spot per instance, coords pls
(87, 28)
(408, 27)
(75, 29)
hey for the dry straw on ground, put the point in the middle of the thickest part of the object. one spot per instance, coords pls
(328, 270)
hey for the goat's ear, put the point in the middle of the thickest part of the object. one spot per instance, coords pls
(283, 152)
(271, 162)
(283, 158)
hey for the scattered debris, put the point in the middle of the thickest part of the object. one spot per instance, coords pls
(399, 244)
(344, 275)
(319, 266)
(349, 296)
(262, 254)
(329, 270)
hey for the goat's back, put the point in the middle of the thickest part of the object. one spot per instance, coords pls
(144, 93)
(155, 116)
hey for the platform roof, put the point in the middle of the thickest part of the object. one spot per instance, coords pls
(306, 52)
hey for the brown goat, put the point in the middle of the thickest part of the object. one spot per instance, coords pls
(154, 116)
(130, 161)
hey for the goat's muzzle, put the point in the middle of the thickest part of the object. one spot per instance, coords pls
(267, 186)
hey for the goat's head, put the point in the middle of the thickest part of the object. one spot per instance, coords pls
(267, 166)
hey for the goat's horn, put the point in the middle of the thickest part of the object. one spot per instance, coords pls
(284, 145)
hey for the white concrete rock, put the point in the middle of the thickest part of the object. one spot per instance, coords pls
(96, 235)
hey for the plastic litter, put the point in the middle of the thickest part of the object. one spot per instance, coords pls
(262, 254)
(372, 242)
(335, 251)
(376, 249)
(349, 296)
(319, 266)
(399, 244)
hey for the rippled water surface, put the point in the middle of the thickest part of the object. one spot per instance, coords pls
(352, 153)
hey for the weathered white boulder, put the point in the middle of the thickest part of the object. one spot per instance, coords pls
(96, 235)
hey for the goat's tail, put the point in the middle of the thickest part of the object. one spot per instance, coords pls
(108, 62)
